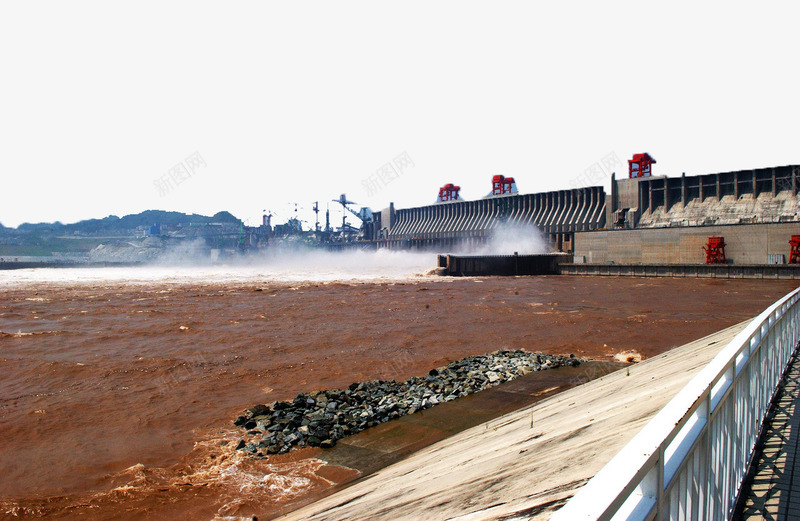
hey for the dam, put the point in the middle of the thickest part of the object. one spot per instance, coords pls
(645, 219)
(469, 223)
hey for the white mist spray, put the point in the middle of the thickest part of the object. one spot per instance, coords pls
(525, 239)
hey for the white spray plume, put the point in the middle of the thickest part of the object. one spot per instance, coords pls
(321, 264)
(525, 239)
(193, 261)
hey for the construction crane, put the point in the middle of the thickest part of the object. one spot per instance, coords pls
(327, 218)
(316, 213)
(364, 214)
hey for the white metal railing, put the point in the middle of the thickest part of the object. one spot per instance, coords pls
(689, 461)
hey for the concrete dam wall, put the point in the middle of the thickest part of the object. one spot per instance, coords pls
(558, 214)
(765, 195)
(666, 219)
(745, 244)
(661, 220)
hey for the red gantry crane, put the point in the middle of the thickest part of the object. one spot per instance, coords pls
(448, 192)
(640, 165)
(503, 185)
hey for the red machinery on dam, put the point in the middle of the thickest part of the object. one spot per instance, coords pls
(449, 192)
(715, 250)
(503, 185)
(794, 243)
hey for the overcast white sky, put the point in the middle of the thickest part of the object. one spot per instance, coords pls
(300, 101)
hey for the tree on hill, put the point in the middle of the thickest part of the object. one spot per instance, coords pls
(225, 217)
(40, 227)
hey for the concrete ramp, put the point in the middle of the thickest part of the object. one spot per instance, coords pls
(525, 464)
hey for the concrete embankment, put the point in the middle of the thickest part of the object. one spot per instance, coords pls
(525, 464)
(482, 265)
(562, 264)
(703, 271)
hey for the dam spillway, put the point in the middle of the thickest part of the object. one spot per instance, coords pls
(559, 214)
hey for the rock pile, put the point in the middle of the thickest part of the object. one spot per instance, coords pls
(320, 418)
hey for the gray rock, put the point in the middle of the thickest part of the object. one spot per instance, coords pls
(320, 418)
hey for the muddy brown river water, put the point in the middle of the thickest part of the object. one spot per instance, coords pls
(116, 398)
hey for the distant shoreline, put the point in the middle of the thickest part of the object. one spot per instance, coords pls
(60, 264)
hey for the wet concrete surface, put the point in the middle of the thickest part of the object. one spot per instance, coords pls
(382, 445)
(529, 462)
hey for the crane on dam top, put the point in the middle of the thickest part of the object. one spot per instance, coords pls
(448, 192)
(364, 215)
(640, 165)
(503, 185)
